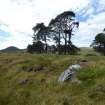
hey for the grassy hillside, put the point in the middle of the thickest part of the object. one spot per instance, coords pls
(12, 49)
(22, 84)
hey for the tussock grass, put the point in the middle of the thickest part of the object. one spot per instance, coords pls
(42, 88)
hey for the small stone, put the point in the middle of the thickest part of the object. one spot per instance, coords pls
(23, 82)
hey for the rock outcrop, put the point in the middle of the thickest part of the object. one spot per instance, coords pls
(71, 71)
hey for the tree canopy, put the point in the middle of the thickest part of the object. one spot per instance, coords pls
(59, 30)
(63, 25)
(99, 43)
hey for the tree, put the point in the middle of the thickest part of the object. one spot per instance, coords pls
(37, 29)
(55, 24)
(30, 48)
(41, 32)
(37, 47)
(99, 43)
(63, 26)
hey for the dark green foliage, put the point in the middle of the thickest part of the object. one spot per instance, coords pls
(87, 77)
(65, 14)
(41, 33)
(99, 43)
(59, 30)
(100, 38)
(70, 49)
(37, 47)
(30, 48)
(63, 25)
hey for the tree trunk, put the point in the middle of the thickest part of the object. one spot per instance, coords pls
(104, 49)
(65, 43)
(59, 44)
(69, 38)
(45, 44)
(46, 48)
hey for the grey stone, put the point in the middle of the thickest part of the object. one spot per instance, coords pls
(71, 71)
(67, 74)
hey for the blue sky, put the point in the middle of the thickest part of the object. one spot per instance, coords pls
(17, 17)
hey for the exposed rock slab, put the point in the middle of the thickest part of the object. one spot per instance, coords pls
(68, 74)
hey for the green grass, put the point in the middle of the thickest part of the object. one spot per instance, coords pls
(42, 87)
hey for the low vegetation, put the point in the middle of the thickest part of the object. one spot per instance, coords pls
(31, 79)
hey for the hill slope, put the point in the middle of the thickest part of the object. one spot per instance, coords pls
(27, 79)
(11, 49)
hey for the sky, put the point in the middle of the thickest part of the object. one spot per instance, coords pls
(17, 17)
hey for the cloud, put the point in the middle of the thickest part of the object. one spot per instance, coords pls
(19, 40)
(89, 29)
(17, 17)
